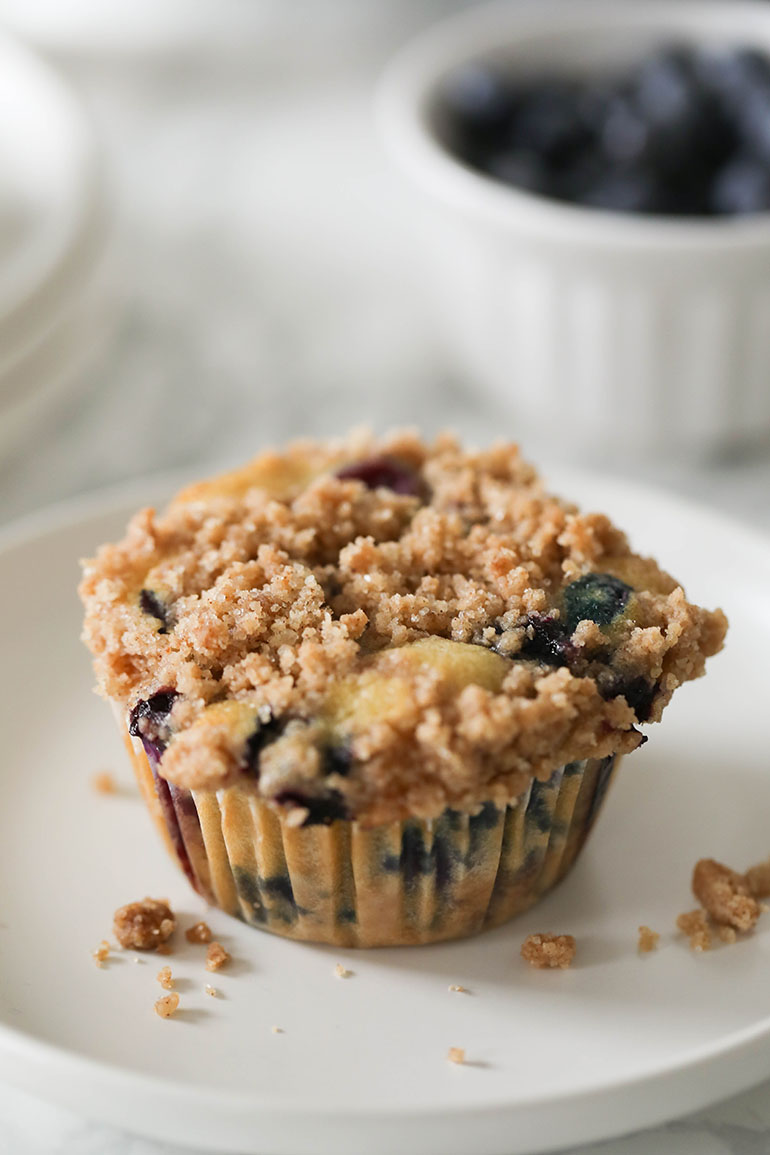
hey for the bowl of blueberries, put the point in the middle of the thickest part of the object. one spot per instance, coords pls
(595, 181)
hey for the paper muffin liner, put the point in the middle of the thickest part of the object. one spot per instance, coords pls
(416, 881)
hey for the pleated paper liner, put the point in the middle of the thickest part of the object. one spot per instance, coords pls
(397, 884)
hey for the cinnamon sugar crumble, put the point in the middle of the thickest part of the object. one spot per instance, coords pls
(648, 940)
(549, 950)
(695, 925)
(758, 879)
(199, 932)
(456, 1055)
(102, 953)
(216, 957)
(104, 783)
(144, 925)
(282, 584)
(724, 894)
(167, 1005)
(165, 978)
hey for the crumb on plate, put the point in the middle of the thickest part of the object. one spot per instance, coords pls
(104, 783)
(216, 957)
(724, 894)
(758, 879)
(459, 989)
(549, 950)
(456, 1055)
(167, 1005)
(211, 991)
(102, 953)
(648, 939)
(695, 925)
(342, 972)
(278, 1030)
(144, 925)
(199, 932)
(165, 978)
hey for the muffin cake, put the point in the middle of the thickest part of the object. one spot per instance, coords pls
(374, 691)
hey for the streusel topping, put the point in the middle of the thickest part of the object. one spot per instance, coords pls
(377, 628)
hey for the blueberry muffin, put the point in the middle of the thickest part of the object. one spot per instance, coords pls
(374, 691)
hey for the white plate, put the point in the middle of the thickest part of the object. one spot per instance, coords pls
(618, 1042)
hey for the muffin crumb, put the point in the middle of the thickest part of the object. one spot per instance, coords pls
(459, 989)
(342, 972)
(648, 940)
(758, 879)
(456, 1055)
(198, 932)
(167, 1005)
(277, 1030)
(165, 978)
(144, 925)
(102, 953)
(216, 957)
(211, 991)
(104, 783)
(725, 894)
(695, 925)
(727, 934)
(546, 951)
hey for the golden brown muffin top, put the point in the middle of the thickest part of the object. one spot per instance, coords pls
(383, 628)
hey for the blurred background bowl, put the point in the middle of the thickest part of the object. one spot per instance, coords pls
(56, 305)
(620, 333)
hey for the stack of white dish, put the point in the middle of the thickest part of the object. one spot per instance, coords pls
(55, 307)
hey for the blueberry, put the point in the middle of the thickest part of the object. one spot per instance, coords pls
(336, 759)
(731, 73)
(753, 118)
(596, 597)
(322, 809)
(549, 124)
(478, 104)
(384, 472)
(151, 604)
(149, 722)
(265, 733)
(666, 87)
(625, 134)
(634, 190)
(742, 186)
(546, 640)
(638, 691)
(524, 170)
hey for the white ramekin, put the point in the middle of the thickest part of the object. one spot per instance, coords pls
(622, 332)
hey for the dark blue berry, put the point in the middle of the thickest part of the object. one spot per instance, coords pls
(336, 760)
(264, 733)
(631, 191)
(151, 604)
(524, 170)
(149, 721)
(743, 186)
(384, 472)
(322, 809)
(546, 640)
(595, 597)
(548, 123)
(478, 105)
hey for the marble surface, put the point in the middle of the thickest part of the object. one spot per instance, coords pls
(271, 275)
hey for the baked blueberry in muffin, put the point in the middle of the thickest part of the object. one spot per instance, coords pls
(375, 691)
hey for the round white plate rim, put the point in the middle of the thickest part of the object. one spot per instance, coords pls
(23, 1058)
